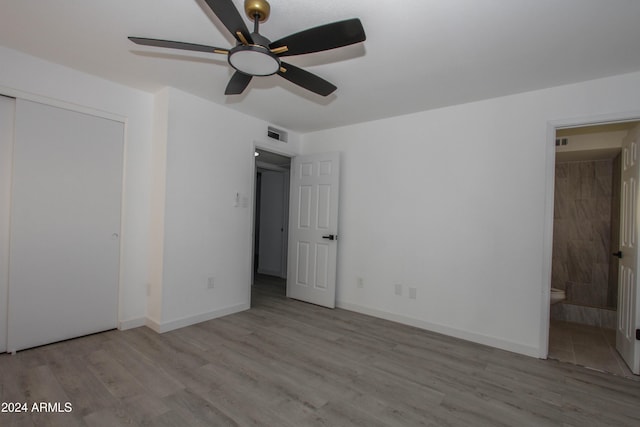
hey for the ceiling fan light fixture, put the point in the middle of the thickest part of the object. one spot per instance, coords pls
(254, 60)
(256, 55)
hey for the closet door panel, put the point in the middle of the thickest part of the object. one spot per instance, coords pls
(66, 205)
(7, 110)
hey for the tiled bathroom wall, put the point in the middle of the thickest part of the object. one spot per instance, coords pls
(594, 316)
(582, 262)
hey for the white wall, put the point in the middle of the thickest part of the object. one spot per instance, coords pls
(31, 78)
(158, 202)
(589, 147)
(593, 141)
(454, 202)
(208, 204)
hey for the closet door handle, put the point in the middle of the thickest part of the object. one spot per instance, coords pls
(617, 254)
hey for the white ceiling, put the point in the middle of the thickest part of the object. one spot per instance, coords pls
(419, 54)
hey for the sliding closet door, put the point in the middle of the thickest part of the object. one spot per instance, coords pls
(65, 225)
(7, 107)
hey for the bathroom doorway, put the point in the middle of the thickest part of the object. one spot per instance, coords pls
(586, 230)
(271, 221)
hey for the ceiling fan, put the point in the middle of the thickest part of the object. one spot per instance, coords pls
(255, 55)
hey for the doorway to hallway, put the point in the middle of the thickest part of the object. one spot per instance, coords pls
(271, 218)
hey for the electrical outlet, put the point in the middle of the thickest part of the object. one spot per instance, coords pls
(398, 288)
(210, 283)
(413, 293)
(360, 282)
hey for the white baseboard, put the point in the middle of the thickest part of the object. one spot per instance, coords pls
(270, 273)
(152, 324)
(445, 330)
(123, 325)
(162, 327)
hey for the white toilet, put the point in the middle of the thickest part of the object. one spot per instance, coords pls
(557, 295)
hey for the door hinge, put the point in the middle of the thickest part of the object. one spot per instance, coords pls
(638, 334)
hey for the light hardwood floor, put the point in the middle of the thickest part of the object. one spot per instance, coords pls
(287, 363)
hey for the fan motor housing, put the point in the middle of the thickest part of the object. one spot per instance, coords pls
(259, 8)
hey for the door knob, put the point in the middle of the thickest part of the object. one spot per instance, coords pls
(617, 254)
(330, 237)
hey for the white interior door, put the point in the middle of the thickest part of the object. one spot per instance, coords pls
(65, 225)
(628, 305)
(313, 228)
(7, 110)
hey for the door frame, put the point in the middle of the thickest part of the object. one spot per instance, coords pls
(252, 201)
(550, 152)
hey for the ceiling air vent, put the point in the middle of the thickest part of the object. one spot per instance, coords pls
(561, 141)
(278, 134)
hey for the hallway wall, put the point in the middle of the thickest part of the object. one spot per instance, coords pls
(205, 178)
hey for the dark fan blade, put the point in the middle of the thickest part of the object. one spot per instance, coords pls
(177, 45)
(306, 79)
(230, 17)
(324, 37)
(238, 83)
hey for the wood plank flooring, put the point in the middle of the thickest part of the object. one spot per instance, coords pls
(287, 363)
